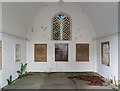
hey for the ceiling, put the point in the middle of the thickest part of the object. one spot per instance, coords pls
(103, 16)
(17, 17)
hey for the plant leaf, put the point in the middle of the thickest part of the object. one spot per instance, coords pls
(18, 71)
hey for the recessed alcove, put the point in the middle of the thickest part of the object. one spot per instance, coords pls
(59, 37)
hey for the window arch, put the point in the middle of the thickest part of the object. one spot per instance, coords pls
(61, 27)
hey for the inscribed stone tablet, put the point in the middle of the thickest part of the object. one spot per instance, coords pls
(105, 53)
(82, 52)
(40, 53)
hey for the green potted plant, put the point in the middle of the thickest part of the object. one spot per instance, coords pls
(111, 81)
(21, 71)
(9, 80)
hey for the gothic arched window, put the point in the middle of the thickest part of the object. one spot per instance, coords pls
(61, 27)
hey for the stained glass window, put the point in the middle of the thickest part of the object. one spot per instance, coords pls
(66, 29)
(56, 29)
(61, 27)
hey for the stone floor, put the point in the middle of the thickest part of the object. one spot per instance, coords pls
(52, 81)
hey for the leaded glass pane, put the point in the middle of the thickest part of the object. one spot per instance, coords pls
(66, 29)
(61, 16)
(61, 27)
(56, 29)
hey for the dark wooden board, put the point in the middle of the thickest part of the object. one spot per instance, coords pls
(82, 52)
(40, 53)
(61, 52)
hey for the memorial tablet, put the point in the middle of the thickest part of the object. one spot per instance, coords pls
(61, 52)
(40, 53)
(105, 53)
(82, 52)
(18, 52)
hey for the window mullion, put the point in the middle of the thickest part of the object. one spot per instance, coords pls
(61, 28)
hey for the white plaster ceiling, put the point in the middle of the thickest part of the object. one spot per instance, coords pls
(103, 16)
(17, 17)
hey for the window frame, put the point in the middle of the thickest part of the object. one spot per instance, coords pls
(61, 38)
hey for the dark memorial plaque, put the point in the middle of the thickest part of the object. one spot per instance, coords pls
(40, 53)
(0, 54)
(61, 52)
(105, 53)
(82, 52)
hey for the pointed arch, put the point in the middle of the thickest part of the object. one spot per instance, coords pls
(61, 27)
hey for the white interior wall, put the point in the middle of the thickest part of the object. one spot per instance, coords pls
(0, 38)
(82, 32)
(119, 58)
(10, 66)
(112, 70)
(0, 70)
(21, 16)
(119, 41)
(0, 17)
(112, 37)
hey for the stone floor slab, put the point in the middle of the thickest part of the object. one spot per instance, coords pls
(52, 81)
